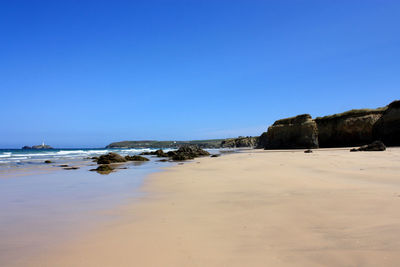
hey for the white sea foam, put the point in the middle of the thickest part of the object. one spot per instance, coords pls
(38, 156)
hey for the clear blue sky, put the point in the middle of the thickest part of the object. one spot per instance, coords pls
(87, 73)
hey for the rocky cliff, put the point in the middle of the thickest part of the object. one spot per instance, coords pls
(387, 128)
(356, 127)
(241, 141)
(262, 140)
(296, 132)
(351, 128)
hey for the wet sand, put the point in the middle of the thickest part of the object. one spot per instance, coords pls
(43, 206)
(257, 208)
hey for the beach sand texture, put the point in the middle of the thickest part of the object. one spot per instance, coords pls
(255, 208)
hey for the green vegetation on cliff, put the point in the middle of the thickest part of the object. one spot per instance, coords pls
(353, 113)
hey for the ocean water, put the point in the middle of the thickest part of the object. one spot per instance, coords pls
(22, 157)
(41, 209)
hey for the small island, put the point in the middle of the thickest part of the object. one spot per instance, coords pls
(42, 146)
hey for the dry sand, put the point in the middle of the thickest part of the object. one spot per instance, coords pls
(257, 208)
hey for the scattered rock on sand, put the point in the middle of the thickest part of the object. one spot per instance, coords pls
(48, 161)
(71, 168)
(215, 155)
(160, 153)
(103, 169)
(147, 153)
(136, 158)
(110, 158)
(374, 146)
(308, 151)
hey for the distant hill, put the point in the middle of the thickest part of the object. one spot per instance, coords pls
(211, 143)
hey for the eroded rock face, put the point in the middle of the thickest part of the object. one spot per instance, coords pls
(296, 132)
(241, 141)
(374, 146)
(387, 128)
(351, 128)
(262, 140)
(110, 158)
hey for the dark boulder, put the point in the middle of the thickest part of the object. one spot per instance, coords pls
(48, 161)
(374, 146)
(103, 169)
(193, 149)
(171, 153)
(147, 153)
(186, 152)
(387, 128)
(71, 168)
(161, 154)
(110, 158)
(296, 132)
(136, 158)
(183, 156)
(308, 151)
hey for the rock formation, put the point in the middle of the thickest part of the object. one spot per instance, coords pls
(262, 140)
(296, 132)
(103, 169)
(351, 128)
(136, 158)
(159, 153)
(42, 146)
(241, 141)
(387, 128)
(189, 152)
(356, 127)
(374, 146)
(110, 158)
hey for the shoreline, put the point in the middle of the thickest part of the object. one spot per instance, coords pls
(256, 208)
(45, 208)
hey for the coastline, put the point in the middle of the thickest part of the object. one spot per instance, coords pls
(254, 208)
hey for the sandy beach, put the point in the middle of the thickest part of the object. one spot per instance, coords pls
(254, 208)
